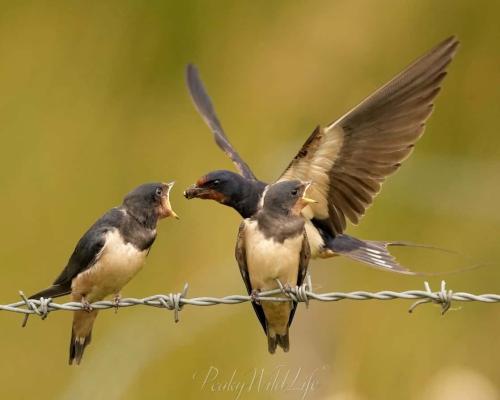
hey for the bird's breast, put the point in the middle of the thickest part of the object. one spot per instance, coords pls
(118, 263)
(268, 260)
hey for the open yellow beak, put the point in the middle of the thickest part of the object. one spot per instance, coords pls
(172, 212)
(166, 201)
(306, 201)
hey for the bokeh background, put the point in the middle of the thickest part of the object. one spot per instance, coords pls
(93, 103)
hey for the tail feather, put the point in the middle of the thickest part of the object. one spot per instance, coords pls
(376, 254)
(81, 334)
(371, 252)
(52, 291)
(77, 347)
(283, 342)
(274, 340)
(271, 344)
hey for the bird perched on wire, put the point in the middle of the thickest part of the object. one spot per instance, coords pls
(347, 161)
(272, 246)
(108, 256)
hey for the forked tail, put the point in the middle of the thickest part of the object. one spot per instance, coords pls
(81, 334)
(375, 253)
(274, 340)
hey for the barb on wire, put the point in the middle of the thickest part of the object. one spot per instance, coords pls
(303, 293)
(443, 298)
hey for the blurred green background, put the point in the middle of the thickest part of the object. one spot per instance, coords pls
(93, 103)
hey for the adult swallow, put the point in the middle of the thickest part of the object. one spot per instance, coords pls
(108, 256)
(346, 161)
(272, 245)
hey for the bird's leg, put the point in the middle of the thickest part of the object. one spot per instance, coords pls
(284, 287)
(287, 288)
(117, 300)
(254, 296)
(86, 305)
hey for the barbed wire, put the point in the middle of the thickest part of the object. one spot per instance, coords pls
(301, 294)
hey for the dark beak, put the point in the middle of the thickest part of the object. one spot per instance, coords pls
(194, 191)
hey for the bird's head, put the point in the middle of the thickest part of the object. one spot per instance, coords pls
(222, 186)
(150, 201)
(287, 197)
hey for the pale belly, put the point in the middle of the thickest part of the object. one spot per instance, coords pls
(117, 265)
(267, 262)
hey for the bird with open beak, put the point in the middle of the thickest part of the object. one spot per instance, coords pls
(272, 246)
(108, 256)
(347, 161)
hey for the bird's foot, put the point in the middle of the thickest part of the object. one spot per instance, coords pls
(254, 296)
(286, 288)
(86, 305)
(116, 301)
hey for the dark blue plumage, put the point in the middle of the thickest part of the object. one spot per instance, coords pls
(347, 161)
(108, 255)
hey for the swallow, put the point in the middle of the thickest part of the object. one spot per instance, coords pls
(108, 256)
(347, 161)
(272, 245)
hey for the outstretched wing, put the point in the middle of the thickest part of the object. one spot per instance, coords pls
(348, 160)
(241, 258)
(206, 109)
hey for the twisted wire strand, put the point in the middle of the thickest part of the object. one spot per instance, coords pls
(176, 301)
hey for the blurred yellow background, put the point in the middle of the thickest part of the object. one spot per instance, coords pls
(93, 103)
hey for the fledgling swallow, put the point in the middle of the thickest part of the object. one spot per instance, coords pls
(272, 245)
(346, 161)
(108, 256)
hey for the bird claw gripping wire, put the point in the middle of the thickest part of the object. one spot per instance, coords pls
(297, 293)
(303, 293)
(443, 298)
(116, 301)
(254, 296)
(42, 310)
(174, 302)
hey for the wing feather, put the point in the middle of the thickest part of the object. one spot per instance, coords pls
(305, 255)
(206, 109)
(241, 258)
(348, 160)
(87, 252)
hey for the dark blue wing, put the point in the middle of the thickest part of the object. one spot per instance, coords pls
(206, 109)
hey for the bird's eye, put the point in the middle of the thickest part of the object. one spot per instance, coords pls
(215, 182)
(158, 192)
(295, 192)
